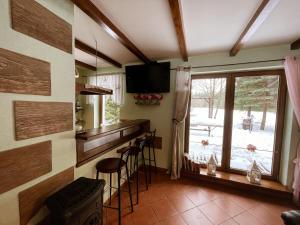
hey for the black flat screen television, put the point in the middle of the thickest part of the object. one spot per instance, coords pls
(150, 78)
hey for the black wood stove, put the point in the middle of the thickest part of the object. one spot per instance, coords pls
(79, 203)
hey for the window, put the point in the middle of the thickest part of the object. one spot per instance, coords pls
(108, 110)
(239, 118)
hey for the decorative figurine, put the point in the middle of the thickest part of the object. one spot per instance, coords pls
(254, 173)
(211, 166)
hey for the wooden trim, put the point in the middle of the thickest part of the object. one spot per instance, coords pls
(94, 144)
(229, 107)
(279, 125)
(31, 18)
(32, 199)
(158, 142)
(178, 23)
(34, 119)
(295, 45)
(85, 65)
(239, 182)
(21, 165)
(87, 89)
(92, 11)
(91, 51)
(238, 45)
(227, 130)
(23, 74)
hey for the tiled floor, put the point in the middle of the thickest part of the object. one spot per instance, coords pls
(186, 202)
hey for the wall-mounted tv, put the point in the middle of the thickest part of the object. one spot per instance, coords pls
(149, 78)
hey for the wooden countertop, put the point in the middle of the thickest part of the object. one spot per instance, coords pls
(105, 130)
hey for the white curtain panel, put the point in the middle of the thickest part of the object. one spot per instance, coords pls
(114, 82)
(182, 96)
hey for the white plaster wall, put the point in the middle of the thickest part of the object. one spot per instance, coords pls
(62, 89)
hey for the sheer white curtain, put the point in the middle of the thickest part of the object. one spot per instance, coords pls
(182, 96)
(114, 82)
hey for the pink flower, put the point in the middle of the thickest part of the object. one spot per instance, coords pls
(251, 148)
(204, 142)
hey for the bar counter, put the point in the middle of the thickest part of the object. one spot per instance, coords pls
(96, 142)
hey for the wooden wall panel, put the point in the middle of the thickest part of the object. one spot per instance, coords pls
(32, 199)
(158, 143)
(33, 19)
(33, 119)
(24, 75)
(20, 165)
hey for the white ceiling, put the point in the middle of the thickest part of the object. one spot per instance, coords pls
(281, 27)
(89, 59)
(209, 25)
(214, 25)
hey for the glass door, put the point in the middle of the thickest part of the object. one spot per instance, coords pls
(206, 121)
(254, 122)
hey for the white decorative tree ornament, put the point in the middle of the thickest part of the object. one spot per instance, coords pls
(254, 173)
(211, 166)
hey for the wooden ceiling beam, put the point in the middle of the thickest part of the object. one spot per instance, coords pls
(85, 65)
(238, 45)
(295, 45)
(91, 51)
(92, 11)
(178, 23)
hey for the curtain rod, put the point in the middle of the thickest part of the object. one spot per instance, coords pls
(234, 64)
(198, 67)
(103, 74)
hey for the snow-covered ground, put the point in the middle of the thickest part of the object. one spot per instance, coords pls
(240, 157)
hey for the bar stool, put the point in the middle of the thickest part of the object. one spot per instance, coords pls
(149, 142)
(135, 151)
(115, 165)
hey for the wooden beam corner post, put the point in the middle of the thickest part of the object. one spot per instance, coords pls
(93, 12)
(178, 23)
(295, 45)
(239, 43)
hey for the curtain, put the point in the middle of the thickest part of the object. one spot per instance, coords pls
(182, 96)
(114, 82)
(292, 71)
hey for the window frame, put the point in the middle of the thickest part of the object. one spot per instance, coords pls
(228, 117)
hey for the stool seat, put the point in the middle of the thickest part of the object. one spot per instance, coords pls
(110, 165)
(291, 217)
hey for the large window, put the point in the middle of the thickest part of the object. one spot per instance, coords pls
(239, 118)
(110, 111)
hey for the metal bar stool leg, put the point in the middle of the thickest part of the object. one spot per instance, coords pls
(149, 159)
(153, 151)
(137, 178)
(110, 189)
(129, 188)
(145, 168)
(119, 196)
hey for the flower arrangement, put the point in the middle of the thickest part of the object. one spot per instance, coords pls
(148, 99)
(204, 142)
(251, 148)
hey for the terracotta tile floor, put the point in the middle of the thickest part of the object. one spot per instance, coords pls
(188, 202)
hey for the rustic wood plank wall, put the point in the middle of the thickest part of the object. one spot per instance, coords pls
(32, 199)
(33, 19)
(24, 75)
(33, 119)
(20, 165)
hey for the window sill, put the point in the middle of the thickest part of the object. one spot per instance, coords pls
(267, 187)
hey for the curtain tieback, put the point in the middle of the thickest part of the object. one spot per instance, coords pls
(175, 120)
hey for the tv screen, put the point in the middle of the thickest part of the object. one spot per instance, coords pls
(152, 78)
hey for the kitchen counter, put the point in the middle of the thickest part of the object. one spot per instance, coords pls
(93, 143)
